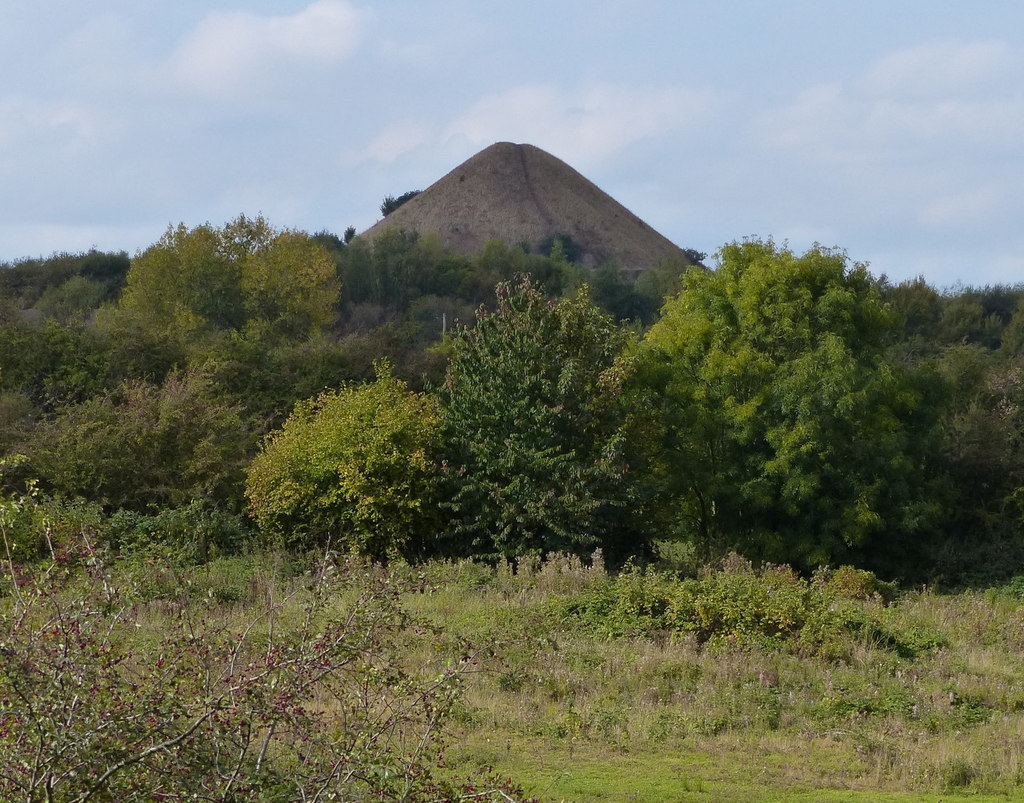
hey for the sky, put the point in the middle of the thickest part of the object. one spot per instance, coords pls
(892, 129)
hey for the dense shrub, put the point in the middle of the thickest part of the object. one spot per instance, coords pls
(737, 606)
(353, 467)
(34, 526)
(193, 533)
(144, 445)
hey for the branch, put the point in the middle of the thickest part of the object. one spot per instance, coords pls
(127, 762)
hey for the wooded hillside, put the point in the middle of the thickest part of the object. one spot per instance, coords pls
(789, 406)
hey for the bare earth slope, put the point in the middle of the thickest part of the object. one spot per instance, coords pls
(522, 194)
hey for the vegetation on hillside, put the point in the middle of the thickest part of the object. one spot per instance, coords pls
(791, 407)
(391, 203)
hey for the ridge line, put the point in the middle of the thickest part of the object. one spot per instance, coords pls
(544, 213)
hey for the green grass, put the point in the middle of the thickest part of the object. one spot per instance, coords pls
(588, 687)
(581, 773)
(920, 699)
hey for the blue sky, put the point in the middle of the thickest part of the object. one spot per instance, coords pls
(894, 130)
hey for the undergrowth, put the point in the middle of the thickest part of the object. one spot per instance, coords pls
(774, 608)
(557, 673)
(835, 681)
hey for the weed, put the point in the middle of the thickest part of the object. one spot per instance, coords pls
(957, 774)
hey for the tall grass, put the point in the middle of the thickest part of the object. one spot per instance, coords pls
(832, 682)
(733, 683)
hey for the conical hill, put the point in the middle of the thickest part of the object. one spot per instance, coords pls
(523, 195)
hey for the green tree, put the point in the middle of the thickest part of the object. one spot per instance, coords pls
(50, 363)
(983, 451)
(355, 466)
(391, 203)
(246, 276)
(142, 445)
(1012, 342)
(788, 434)
(536, 429)
(920, 308)
(27, 281)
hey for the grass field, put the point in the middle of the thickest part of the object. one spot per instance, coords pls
(574, 714)
(735, 684)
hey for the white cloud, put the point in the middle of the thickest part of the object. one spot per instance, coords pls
(232, 52)
(396, 140)
(921, 147)
(27, 124)
(586, 127)
(938, 68)
(923, 102)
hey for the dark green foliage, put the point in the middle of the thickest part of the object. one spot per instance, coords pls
(330, 242)
(920, 309)
(29, 281)
(391, 203)
(194, 533)
(618, 294)
(144, 444)
(398, 268)
(536, 430)
(50, 363)
(561, 247)
(656, 285)
(17, 416)
(983, 459)
(268, 380)
(106, 267)
(958, 316)
(788, 434)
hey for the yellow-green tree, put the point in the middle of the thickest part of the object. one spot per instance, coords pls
(355, 467)
(246, 277)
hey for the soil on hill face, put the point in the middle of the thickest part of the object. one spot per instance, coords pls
(521, 194)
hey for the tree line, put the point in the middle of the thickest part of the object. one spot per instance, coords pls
(243, 384)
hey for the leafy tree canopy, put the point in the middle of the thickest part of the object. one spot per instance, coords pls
(535, 428)
(788, 434)
(245, 275)
(354, 466)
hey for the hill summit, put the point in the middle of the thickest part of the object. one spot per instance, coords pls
(522, 194)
